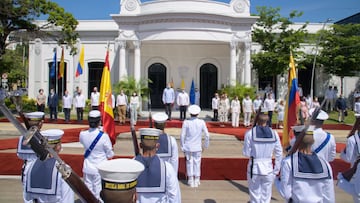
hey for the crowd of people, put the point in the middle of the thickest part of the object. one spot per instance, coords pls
(152, 175)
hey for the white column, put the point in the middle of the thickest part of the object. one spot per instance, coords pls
(137, 61)
(247, 71)
(232, 72)
(122, 60)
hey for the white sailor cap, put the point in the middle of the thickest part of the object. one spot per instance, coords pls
(120, 174)
(194, 109)
(160, 117)
(94, 114)
(357, 115)
(149, 133)
(37, 115)
(53, 135)
(321, 116)
(300, 128)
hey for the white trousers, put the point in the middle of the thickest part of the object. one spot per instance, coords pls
(247, 118)
(260, 188)
(93, 182)
(235, 119)
(193, 164)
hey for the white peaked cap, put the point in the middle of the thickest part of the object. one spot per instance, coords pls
(160, 117)
(35, 115)
(120, 170)
(94, 114)
(321, 116)
(149, 131)
(53, 135)
(194, 109)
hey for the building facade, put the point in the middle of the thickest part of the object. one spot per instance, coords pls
(164, 41)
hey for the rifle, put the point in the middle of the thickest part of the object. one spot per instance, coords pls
(259, 111)
(133, 135)
(150, 117)
(40, 146)
(303, 132)
(348, 174)
(354, 128)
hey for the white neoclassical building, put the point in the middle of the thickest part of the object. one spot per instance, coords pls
(164, 41)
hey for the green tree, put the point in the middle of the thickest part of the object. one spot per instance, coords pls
(277, 38)
(18, 22)
(340, 50)
(238, 90)
(14, 62)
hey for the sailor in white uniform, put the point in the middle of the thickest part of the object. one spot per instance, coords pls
(352, 150)
(24, 152)
(168, 149)
(351, 155)
(191, 135)
(324, 144)
(260, 143)
(43, 181)
(98, 148)
(119, 180)
(158, 183)
(305, 176)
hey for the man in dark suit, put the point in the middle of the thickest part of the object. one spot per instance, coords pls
(53, 104)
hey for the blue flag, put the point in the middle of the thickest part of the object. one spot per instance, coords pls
(53, 66)
(192, 92)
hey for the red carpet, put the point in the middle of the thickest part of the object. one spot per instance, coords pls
(212, 168)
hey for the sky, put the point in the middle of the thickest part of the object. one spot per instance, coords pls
(314, 11)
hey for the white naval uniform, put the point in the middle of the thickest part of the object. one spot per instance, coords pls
(328, 152)
(310, 186)
(353, 186)
(191, 144)
(101, 152)
(247, 108)
(45, 184)
(25, 153)
(352, 150)
(260, 171)
(168, 150)
(235, 113)
(161, 185)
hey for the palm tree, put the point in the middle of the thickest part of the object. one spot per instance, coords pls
(130, 85)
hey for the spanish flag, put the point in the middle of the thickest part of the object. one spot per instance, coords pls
(80, 66)
(107, 114)
(292, 102)
(62, 64)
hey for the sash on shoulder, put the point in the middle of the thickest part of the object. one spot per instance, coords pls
(263, 134)
(153, 178)
(309, 166)
(165, 146)
(42, 177)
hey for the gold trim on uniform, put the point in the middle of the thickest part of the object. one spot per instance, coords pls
(53, 141)
(118, 186)
(149, 137)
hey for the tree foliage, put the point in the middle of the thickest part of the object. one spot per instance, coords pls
(277, 38)
(340, 50)
(130, 85)
(17, 20)
(14, 62)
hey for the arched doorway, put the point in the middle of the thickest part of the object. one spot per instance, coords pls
(157, 74)
(95, 73)
(208, 84)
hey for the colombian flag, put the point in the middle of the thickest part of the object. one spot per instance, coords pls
(80, 66)
(292, 102)
(107, 114)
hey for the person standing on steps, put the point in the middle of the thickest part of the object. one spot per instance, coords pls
(168, 99)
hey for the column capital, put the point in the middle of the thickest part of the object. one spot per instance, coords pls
(234, 44)
(137, 44)
(121, 43)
